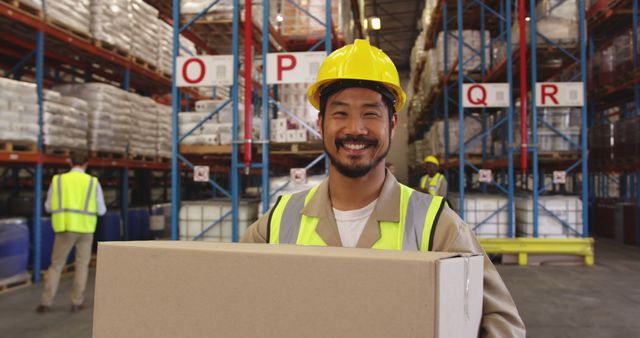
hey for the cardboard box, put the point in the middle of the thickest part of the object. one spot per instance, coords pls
(196, 289)
(279, 137)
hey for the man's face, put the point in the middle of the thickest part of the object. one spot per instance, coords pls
(356, 131)
(431, 168)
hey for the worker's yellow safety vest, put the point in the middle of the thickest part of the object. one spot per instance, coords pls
(414, 232)
(434, 183)
(73, 202)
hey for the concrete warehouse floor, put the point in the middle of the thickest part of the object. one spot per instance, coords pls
(555, 301)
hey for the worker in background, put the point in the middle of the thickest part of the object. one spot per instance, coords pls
(433, 183)
(361, 204)
(74, 200)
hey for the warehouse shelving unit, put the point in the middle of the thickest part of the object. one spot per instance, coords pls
(512, 164)
(36, 47)
(615, 177)
(264, 96)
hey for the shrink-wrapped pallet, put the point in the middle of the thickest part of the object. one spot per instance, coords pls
(18, 111)
(111, 23)
(73, 14)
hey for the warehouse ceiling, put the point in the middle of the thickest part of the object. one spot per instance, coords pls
(399, 30)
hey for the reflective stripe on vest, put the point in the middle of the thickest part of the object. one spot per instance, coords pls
(434, 183)
(418, 215)
(74, 205)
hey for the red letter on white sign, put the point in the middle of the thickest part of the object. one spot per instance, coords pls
(551, 93)
(282, 67)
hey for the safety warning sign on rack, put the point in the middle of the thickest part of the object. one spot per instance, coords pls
(298, 175)
(485, 95)
(293, 67)
(485, 175)
(201, 173)
(204, 71)
(559, 177)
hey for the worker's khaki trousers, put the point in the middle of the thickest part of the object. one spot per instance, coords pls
(62, 246)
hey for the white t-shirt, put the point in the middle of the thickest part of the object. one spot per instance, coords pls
(352, 222)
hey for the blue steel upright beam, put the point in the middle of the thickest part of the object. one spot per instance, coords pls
(461, 163)
(37, 213)
(124, 179)
(265, 108)
(636, 62)
(175, 104)
(445, 95)
(534, 113)
(582, 30)
(510, 147)
(328, 45)
(235, 180)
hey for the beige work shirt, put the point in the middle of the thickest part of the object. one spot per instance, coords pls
(500, 315)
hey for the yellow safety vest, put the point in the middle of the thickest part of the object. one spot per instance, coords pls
(414, 232)
(434, 183)
(73, 202)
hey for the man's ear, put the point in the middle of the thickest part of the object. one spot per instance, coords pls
(319, 123)
(393, 123)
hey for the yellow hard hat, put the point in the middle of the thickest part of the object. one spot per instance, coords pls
(432, 159)
(358, 61)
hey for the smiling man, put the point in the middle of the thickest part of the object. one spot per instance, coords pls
(361, 204)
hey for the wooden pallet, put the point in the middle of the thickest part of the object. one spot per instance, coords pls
(110, 47)
(70, 30)
(160, 159)
(558, 155)
(204, 149)
(18, 146)
(106, 155)
(300, 148)
(144, 158)
(15, 283)
(62, 151)
(26, 8)
(144, 63)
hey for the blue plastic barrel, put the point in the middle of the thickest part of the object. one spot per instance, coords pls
(46, 244)
(163, 209)
(139, 224)
(14, 247)
(108, 228)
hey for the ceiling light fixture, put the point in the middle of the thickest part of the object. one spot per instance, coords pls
(375, 23)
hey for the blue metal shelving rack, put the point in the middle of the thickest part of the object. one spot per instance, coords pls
(486, 74)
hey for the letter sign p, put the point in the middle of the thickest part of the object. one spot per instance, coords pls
(282, 67)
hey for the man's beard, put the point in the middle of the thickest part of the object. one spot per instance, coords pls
(355, 171)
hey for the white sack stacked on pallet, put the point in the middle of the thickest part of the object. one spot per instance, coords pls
(73, 14)
(18, 111)
(434, 139)
(64, 121)
(111, 23)
(164, 35)
(471, 50)
(109, 115)
(163, 146)
(143, 139)
(144, 42)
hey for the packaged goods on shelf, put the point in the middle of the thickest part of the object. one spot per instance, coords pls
(614, 63)
(427, 13)
(73, 14)
(564, 207)
(434, 139)
(164, 144)
(144, 40)
(486, 215)
(65, 122)
(429, 76)
(35, 4)
(109, 114)
(197, 218)
(293, 97)
(19, 101)
(296, 24)
(557, 20)
(143, 138)
(111, 23)
(472, 42)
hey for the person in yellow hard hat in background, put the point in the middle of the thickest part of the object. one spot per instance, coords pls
(74, 200)
(433, 183)
(361, 204)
